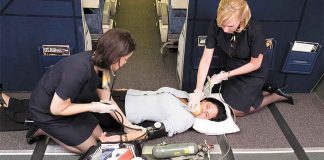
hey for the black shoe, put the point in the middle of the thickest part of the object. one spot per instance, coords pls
(30, 137)
(269, 88)
(289, 99)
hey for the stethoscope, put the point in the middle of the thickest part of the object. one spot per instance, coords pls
(113, 80)
(112, 84)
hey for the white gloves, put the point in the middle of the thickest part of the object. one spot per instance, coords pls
(221, 76)
(216, 79)
(100, 107)
(194, 101)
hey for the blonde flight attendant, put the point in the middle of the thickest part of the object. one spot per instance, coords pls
(241, 38)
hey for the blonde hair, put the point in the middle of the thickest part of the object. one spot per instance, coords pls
(229, 8)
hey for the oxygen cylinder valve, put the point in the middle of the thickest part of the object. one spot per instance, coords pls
(205, 147)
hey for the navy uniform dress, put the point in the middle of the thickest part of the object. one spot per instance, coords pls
(242, 91)
(73, 77)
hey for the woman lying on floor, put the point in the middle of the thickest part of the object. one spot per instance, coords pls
(166, 105)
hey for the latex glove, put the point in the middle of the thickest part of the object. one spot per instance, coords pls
(194, 101)
(224, 75)
(133, 128)
(100, 107)
(218, 78)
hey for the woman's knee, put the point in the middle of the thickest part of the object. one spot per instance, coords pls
(67, 147)
(81, 148)
(239, 113)
(84, 146)
(97, 132)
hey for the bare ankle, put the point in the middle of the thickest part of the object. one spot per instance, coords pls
(279, 97)
(5, 99)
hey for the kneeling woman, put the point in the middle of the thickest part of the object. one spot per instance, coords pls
(60, 103)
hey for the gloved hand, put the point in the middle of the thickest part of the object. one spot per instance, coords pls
(218, 78)
(100, 107)
(194, 101)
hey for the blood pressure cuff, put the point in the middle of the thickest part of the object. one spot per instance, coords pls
(156, 131)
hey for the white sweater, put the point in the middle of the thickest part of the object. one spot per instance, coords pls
(159, 106)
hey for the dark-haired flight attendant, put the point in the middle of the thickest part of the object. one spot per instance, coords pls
(62, 100)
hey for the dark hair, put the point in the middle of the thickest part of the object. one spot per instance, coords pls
(113, 45)
(221, 109)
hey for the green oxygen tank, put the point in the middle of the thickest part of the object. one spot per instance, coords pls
(174, 150)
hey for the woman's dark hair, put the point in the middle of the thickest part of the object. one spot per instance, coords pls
(221, 116)
(113, 45)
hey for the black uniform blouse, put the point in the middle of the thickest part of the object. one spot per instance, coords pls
(249, 43)
(73, 77)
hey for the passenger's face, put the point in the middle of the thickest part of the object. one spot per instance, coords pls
(209, 110)
(231, 24)
(122, 61)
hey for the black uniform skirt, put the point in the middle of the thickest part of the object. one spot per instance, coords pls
(243, 92)
(72, 130)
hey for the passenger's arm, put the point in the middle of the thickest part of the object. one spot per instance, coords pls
(151, 133)
(138, 135)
